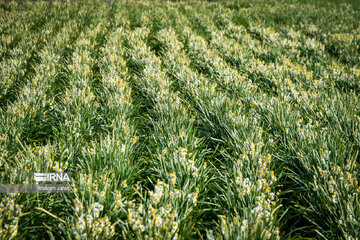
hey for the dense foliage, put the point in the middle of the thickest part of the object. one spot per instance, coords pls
(182, 120)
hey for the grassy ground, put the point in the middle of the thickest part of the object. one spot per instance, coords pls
(182, 120)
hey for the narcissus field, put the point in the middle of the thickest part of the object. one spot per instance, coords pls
(181, 120)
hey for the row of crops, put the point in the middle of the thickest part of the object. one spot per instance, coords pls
(186, 120)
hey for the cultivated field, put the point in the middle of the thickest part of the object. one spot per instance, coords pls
(182, 120)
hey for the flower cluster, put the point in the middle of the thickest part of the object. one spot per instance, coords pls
(158, 218)
(89, 224)
(10, 214)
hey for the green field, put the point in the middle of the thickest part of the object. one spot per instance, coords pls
(181, 120)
